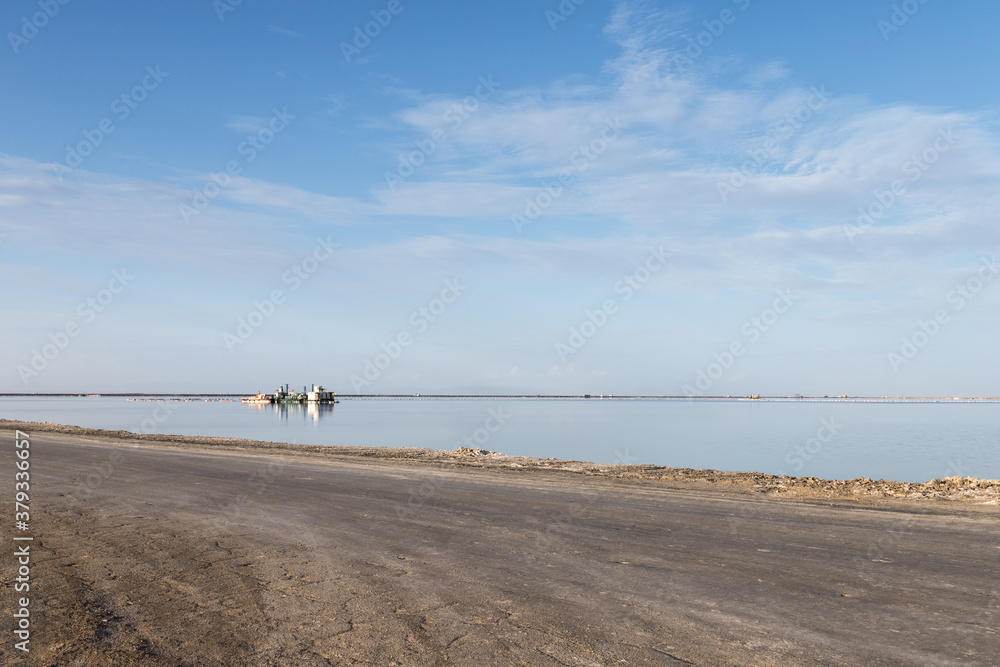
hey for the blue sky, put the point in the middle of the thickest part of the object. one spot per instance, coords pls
(629, 197)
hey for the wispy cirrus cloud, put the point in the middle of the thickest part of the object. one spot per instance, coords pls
(657, 183)
(246, 124)
(285, 32)
(687, 132)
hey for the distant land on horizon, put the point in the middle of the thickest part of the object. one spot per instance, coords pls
(507, 396)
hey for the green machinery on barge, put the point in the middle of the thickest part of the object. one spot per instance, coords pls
(286, 395)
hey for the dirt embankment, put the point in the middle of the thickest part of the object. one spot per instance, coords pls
(967, 489)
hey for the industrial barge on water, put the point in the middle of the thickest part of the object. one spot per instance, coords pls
(284, 395)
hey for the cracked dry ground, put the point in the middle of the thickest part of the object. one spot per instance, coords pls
(127, 590)
(146, 595)
(183, 557)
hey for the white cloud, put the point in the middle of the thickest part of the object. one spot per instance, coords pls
(767, 73)
(292, 200)
(285, 32)
(655, 184)
(246, 124)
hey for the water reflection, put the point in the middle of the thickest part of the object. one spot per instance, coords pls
(285, 412)
(897, 440)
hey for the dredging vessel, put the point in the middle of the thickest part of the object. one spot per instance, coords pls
(285, 395)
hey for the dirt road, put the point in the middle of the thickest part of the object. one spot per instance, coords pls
(148, 554)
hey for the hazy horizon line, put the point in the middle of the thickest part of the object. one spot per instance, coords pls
(520, 395)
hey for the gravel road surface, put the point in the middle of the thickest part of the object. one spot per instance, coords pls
(147, 553)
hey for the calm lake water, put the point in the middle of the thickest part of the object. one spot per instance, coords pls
(906, 441)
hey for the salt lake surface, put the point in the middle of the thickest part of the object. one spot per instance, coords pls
(901, 440)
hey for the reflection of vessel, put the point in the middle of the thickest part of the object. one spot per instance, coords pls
(283, 395)
(306, 410)
(315, 410)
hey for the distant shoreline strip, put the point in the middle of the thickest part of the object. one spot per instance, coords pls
(592, 397)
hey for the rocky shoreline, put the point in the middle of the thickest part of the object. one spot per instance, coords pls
(955, 488)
